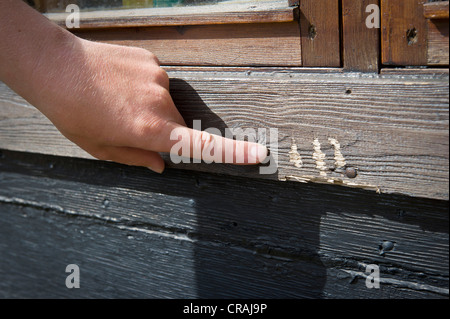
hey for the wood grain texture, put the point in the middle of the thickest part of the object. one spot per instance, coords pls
(264, 44)
(137, 234)
(436, 73)
(319, 25)
(392, 128)
(253, 12)
(360, 45)
(436, 10)
(44, 5)
(437, 53)
(403, 33)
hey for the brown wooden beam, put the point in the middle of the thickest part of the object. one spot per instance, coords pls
(436, 10)
(403, 33)
(392, 129)
(257, 44)
(361, 44)
(319, 26)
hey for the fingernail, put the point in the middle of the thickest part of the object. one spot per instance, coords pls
(258, 153)
(156, 170)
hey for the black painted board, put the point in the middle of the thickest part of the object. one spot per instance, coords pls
(193, 234)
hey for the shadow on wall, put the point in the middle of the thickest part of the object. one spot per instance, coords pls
(255, 226)
(246, 238)
(265, 241)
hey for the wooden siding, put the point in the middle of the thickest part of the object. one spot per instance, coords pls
(137, 234)
(362, 163)
(393, 129)
(414, 32)
(263, 44)
(360, 44)
(319, 25)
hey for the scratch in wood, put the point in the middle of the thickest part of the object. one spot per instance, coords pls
(294, 156)
(319, 157)
(339, 160)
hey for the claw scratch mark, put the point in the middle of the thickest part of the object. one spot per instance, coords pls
(339, 160)
(319, 157)
(294, 156)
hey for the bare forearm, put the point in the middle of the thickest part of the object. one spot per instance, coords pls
(112, 101)
(28, 41)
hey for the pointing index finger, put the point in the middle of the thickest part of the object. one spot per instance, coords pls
(202, 145)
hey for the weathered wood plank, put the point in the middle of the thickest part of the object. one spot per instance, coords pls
(438, 52)
(114, 263)
(403, 32)
(360, 44)
(266, 44)
(319, 26)
(393, 129)
(44, 5)
(436, 10)
(191, 234)
(227, 13)
(423, 73)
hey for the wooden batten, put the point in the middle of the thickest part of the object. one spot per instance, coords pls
(319, 25)
(438, 53)
(436, 10)
(379, 125)
(437, 14)
(403, 33)
(360, 44)
(263, 12)
(265, 44)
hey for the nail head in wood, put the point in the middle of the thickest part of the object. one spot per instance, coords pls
(351, 172)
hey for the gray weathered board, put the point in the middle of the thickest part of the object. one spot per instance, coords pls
(392, 128)
(185, 234)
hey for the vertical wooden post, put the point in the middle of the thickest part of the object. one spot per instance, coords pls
(403, 32)
(360, 35)
(319, 28)
(437, 15)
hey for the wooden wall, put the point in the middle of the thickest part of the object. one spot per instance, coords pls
(313, 71)
(392, 128)
(137, 234)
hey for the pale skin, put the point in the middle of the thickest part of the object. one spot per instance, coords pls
(112, 101)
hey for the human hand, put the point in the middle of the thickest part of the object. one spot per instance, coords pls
(114, 102)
